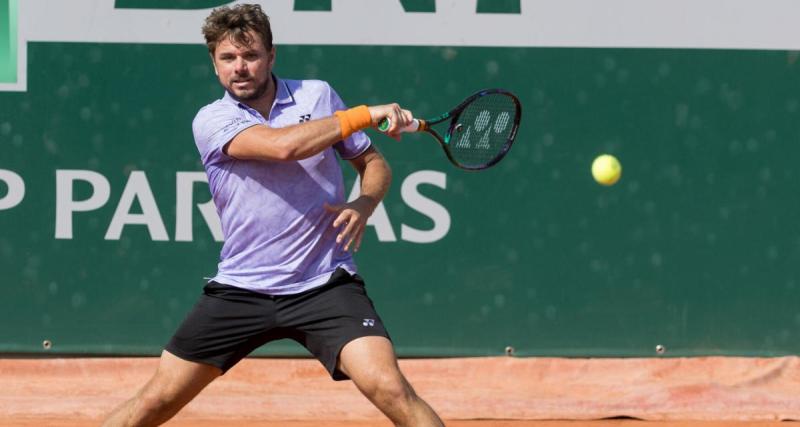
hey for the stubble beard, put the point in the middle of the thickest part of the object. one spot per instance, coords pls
(251, 94)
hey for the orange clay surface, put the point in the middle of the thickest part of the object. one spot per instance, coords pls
(497, 391)
(450, 423)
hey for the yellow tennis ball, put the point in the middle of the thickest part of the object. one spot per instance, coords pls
(606, 169)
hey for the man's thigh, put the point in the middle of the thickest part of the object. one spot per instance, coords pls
(225, 325)
(327, 318)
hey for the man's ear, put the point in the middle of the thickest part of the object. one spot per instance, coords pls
(214, 64)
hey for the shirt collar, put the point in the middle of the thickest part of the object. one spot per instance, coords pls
(283, 94)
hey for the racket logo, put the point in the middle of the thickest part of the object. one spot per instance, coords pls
(481, 125)
(491, 116)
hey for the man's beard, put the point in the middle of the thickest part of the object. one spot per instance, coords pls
(256, 93)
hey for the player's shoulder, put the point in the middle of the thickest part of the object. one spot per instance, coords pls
(306, 83)
(216, 109)
(308, 87)
(220, 105)
(216, 116)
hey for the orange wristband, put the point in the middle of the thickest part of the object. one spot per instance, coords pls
(353, 120)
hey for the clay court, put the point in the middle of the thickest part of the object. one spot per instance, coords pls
(498, 391)
(454, 423)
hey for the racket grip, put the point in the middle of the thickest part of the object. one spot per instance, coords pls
(386, 123)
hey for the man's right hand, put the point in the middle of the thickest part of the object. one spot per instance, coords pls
(398, 118)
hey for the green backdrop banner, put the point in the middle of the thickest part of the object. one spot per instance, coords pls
(106, 234)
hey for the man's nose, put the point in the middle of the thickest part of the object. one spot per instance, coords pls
(240, 65)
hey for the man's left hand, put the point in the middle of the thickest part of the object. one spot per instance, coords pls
(353, 216)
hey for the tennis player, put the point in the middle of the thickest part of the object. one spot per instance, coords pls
(269, 147)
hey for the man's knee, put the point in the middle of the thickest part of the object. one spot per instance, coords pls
(155, 402)
(159, 398)
(391, 389)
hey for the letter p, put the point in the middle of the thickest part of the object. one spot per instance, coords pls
(66, 205)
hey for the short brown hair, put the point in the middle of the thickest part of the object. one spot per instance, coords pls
(234, 23)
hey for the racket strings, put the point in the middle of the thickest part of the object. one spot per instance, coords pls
(484, 130)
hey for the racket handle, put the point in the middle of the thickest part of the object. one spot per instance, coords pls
(386, 123)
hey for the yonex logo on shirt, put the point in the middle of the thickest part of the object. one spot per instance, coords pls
(305, 118)
(369, 322)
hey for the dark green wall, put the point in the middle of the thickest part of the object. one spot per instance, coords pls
(696, 248)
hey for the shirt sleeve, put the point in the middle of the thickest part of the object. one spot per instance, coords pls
(357, 143)
(214, 126)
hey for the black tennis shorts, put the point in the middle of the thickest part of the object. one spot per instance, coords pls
(227, 323)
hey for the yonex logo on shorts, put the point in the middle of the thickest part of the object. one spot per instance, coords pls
(368, 322)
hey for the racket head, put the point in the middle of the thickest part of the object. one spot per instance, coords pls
(482, 129)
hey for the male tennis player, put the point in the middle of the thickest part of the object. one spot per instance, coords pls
(269, 148)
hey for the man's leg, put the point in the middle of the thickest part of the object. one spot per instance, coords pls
(371, 363)
(175, 383)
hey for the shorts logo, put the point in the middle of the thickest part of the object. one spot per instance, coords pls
(305, 117)
(368, 322)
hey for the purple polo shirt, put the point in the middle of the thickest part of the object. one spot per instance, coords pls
(279, 239)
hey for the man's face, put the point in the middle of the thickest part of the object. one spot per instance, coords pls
(245, 71)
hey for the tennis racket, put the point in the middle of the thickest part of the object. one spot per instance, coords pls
(480, 132)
